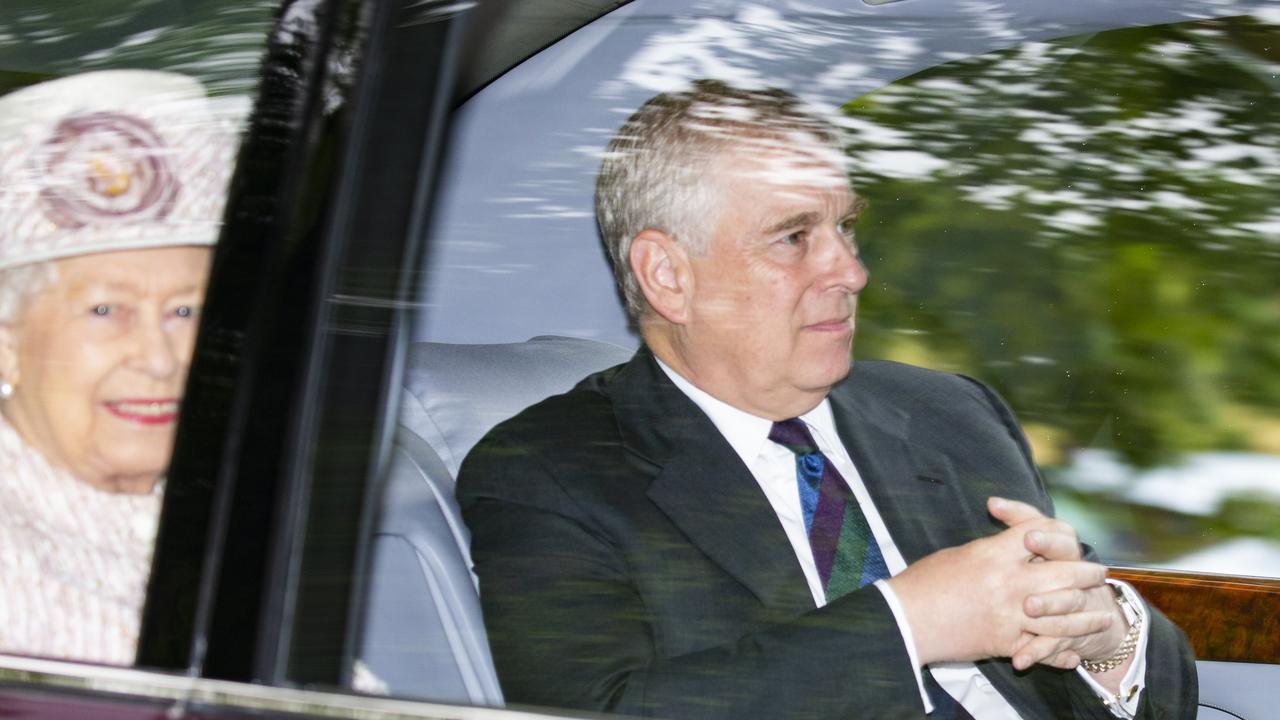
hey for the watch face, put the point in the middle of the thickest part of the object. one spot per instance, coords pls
(1130, 612)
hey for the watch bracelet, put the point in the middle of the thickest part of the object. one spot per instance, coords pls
(1127, 645)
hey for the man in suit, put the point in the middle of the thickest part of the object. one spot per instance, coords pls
(735, 525)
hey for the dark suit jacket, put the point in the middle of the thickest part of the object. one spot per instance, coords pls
(629, 562)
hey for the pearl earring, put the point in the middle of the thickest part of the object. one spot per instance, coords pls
(6, 389)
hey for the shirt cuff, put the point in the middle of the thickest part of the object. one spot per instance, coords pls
(904, 628)
(1124, 704)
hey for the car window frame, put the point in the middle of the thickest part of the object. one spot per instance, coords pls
(239, 545)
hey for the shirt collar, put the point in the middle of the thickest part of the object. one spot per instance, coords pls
(747, 433)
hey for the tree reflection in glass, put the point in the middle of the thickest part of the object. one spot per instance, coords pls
(1090, 224)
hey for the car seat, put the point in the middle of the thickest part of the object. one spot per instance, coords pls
(423, 634)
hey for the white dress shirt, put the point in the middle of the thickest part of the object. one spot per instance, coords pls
(774, 468)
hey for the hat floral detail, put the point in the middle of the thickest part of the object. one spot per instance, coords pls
(105, 167)
(113, 160)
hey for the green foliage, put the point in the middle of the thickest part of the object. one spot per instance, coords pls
(220, 42)
(1091, 225)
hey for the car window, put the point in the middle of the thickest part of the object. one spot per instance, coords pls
(120, 125)
(1100, 250)
(1063, 266)
(220, 42)
(1089, 224)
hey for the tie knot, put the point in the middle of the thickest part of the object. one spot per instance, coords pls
(794, 435)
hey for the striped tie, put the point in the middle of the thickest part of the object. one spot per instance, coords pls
(844, 549)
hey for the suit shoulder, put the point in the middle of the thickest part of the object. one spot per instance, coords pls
(583, 416)
(579, 411)
(536, 457)
(909, 384)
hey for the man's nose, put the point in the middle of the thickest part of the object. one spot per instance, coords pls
(847, 272)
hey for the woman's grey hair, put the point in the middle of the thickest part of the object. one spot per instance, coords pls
(654, 172)
(18, 285)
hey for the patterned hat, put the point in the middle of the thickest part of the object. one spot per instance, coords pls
(111, 160)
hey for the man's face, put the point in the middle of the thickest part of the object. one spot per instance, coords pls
(771, 314)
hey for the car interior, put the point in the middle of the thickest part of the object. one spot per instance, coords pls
(423, 632)
(514, 207)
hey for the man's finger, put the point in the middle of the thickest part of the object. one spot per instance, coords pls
(1063, 574)
(1011, 512)
(1054, 652)
(1056, 602)
(1065, 660)
(1039, 649)
(1074, 625)
(1053, 545)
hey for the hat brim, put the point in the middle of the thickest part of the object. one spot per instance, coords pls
(205, 237)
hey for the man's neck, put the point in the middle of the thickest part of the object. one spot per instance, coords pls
(720, 383)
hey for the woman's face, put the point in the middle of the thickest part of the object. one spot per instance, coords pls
(99, 361)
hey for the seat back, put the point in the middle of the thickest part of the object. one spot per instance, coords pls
(1236, 690)
(423, 635)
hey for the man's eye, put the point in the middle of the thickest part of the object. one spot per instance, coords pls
(103, 309)
(846, 227)
(794, 238)
(184, 311)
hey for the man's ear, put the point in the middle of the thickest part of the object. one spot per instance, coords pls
(661, 267)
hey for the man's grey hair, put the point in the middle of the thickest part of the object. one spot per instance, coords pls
(19, 285)
(655, 171)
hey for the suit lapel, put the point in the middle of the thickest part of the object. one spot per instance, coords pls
(908, 485)
(725, 514)
(916, 491)
(702, 486)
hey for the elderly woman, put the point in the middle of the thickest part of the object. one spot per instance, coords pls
(111, 193)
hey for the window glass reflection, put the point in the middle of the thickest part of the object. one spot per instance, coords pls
(1090, 225)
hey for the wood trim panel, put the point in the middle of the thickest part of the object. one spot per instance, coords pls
(1225, 617)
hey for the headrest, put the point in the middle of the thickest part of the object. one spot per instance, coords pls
(462, 391)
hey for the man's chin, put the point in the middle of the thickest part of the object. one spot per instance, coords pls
(824, 378)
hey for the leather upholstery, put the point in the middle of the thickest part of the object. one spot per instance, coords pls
(423, 634)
